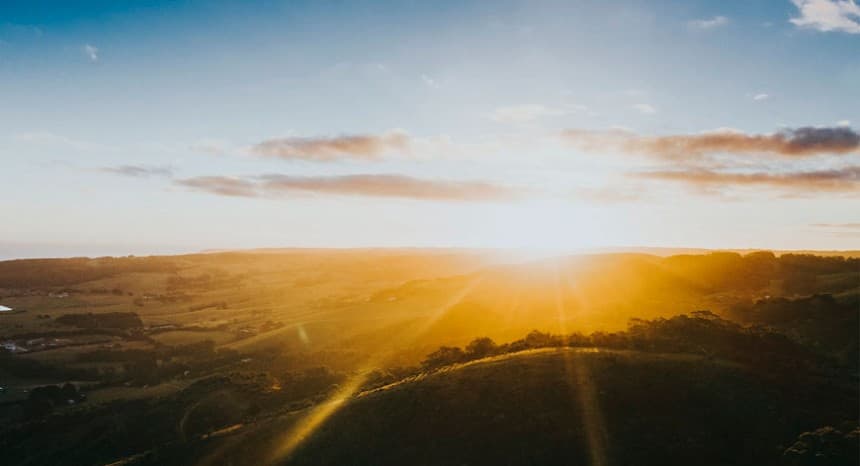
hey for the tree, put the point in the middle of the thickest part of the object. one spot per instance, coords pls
(481, 348)
(537, 339)
(444, 356)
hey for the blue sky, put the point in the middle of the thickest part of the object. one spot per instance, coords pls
(137, 127)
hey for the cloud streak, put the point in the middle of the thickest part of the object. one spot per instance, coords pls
(138, 171)
(711, 23)
(842, 180)
(221, 185)
(91, 51)
(328, 149)
(372, 185)
(799, 142)
(430, 82)
(849, 226)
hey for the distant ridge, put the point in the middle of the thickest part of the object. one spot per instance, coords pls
(667, 251)
(652, 250)
(12, 252)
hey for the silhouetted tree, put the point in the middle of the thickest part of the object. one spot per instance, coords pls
(481, 348)
(536, 339)
(444, 356)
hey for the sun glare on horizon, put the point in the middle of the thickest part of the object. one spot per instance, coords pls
(438, 233)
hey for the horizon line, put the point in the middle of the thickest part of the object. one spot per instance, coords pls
(546, 251)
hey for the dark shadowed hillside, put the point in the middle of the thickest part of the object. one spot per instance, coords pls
(558, 406)
(578, 407)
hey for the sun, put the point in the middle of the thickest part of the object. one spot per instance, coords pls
(542, 229)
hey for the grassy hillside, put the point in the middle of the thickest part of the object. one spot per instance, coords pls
(554, 406)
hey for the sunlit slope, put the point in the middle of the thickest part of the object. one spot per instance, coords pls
(349, 303)
(579, 293)
(576, 294)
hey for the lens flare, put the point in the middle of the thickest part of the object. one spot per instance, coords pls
(583, 388)
(322, 412)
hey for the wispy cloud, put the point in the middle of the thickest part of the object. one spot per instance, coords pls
(849, 226)
(844, 230)
(797, 142)
(326, 149)
(429, 81)
(139, 171)
(212, 146)
(531, 112)
(91, 51)
(645, 109)
(760, 97)
(221, 185)
(709, 23)
(374, 185)
(828, 15)
(842, 180)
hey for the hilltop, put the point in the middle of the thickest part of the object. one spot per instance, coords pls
(553, 406)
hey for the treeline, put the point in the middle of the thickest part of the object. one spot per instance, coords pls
(29, 368)
(101, 433)
(827, 324)
(42, 400)
(700, 332)
(798, 273)
(152, 366)
(116, 320)
(27, 273)
(134, 366)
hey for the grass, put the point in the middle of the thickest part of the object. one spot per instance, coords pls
(546, 406)
(181, 337)
(529, 408)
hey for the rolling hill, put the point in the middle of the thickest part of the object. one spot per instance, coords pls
(552, 406)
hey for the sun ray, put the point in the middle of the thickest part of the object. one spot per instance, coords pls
(318, 415)
(583, 388)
